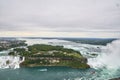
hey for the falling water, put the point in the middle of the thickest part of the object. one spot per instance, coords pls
(10, 62)
(109, 57)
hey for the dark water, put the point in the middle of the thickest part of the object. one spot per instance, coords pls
(46, 73)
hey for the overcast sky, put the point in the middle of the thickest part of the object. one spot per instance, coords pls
(62, 18)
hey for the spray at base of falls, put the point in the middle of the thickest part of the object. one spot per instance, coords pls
(10, 61)
(110, 58)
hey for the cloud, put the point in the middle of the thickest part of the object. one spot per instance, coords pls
(60, 15)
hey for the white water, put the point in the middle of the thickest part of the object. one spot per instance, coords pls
(10, 62)
(109, 57)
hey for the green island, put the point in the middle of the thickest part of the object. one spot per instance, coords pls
(48, 55)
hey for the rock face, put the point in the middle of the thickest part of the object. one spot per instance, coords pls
(55, 61)
(47, 55)
(115, 79)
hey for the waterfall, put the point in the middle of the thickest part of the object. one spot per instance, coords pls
(109, 58)
(10, 61)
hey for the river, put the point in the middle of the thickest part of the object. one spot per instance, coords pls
(104, 65)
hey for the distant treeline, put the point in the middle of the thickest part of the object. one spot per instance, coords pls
(94, 41)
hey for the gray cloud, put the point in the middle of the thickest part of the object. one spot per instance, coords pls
(60, 15)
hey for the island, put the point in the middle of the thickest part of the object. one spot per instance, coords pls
(49, 55)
